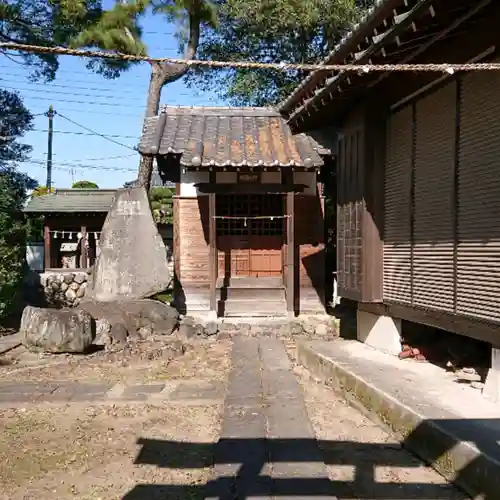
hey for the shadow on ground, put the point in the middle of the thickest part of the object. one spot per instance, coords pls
(241, 466)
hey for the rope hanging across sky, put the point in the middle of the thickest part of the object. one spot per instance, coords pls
(357, 68)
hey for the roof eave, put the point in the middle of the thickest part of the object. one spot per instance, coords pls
(347, 44)
(339, 84)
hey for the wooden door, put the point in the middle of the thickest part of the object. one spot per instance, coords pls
(250, 240)
(265, 256)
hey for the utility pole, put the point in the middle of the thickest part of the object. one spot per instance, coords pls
(50, 115)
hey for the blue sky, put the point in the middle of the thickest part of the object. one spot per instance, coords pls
(111, 107)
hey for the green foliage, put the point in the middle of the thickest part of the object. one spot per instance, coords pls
(42, 191)
(74, 23)
(13, 231)
(161, 204)
(85, 185)
(15, 120)
(46, 23)
(183, 13)
(293, 31)
(165, 297)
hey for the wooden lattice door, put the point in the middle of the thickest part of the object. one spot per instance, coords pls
(249, 240)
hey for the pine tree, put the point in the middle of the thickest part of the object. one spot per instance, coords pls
(289, 31)
(117, 29)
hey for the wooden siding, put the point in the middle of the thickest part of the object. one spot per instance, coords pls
(310, 240)
(478, 252)
(360, 206)
(398, 207)
(442, 200)
(433, 211)
(193, 258)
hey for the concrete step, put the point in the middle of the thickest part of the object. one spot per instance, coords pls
(453, 428)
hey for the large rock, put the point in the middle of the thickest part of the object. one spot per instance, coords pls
(134, 314)
(57, 331)
(132, 263)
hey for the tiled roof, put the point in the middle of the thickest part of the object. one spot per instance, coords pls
(72, 201)
(206, 136)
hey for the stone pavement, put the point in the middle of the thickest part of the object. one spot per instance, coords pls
(9, 342)
(193, 392)
(267, 446)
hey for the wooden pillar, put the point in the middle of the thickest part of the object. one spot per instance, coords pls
(46, 246)
(290, 243)
(83, 249)
(212, 240)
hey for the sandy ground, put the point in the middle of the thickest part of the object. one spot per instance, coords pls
(144, 362)
(81, 451)
(90, 453)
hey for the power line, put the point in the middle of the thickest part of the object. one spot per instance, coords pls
(61, 70)
(47, 87)
(59, 85)
(57, 92)
(68, 132)
(48, 90)
(281, 66)
(87, 103)
(80, 166)
(95, 133)
(110, 113)
(102, 158)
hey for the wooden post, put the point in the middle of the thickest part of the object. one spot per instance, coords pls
(212, 240)
(290, 257)
(46, 246)
(83, 249)
(287, 180)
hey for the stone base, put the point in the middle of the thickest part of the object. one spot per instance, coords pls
(380, 332)
(64, 288)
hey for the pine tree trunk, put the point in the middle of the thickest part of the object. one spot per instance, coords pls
(152, 107)
(161, 73)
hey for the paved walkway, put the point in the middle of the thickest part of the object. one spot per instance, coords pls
(181, 392)
(267, 447)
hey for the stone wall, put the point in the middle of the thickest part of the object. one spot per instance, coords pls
(64, 289)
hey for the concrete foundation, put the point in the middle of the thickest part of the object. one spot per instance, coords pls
(492, 383)
(380, 332)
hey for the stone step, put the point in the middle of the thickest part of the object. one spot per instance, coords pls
(251, 282)
(262, 294)
(255, 307)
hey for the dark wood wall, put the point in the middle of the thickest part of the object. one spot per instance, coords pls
(360, 205)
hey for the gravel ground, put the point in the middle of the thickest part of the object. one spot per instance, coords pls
(90, 453)
(159, 359)
(87, 451)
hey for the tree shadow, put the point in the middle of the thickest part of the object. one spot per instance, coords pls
(243, 466)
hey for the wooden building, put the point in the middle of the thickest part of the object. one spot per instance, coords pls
(248, 210)
(73, 219)
(418, 167)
